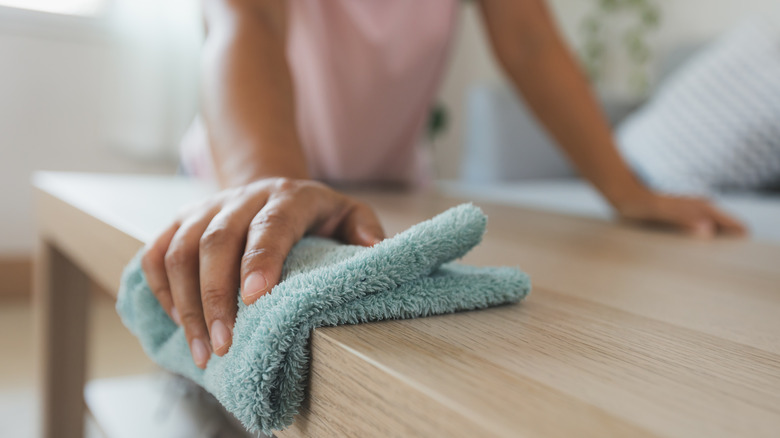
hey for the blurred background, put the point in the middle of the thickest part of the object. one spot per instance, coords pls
(111, 86)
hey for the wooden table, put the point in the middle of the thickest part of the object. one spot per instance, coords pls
(627, 332)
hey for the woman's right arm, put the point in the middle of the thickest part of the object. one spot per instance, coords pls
(247, 92)
(242, 235)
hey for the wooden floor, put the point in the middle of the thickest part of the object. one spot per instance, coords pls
(114, 352)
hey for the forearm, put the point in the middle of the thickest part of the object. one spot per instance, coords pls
(559, 96)
(247, 95)
(540, 66)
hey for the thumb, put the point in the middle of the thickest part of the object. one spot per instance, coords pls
(362, 227)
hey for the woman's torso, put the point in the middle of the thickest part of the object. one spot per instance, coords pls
(364, 74)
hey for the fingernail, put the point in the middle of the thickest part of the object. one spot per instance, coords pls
(254, 285)
(367, 237)
(175, 315)
(220, 335)
(200, 353)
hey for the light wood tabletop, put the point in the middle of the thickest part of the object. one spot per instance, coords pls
(627, 332)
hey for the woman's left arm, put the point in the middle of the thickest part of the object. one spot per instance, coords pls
(535, 58)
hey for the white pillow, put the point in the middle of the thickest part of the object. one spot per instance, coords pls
(715, 124)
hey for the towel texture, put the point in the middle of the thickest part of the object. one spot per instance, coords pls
(261, 379)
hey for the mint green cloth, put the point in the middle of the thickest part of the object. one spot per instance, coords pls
(261, 380)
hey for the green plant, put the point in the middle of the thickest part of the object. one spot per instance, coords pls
(630, 22)
(438, 119)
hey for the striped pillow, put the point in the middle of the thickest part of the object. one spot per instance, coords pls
(715, 124)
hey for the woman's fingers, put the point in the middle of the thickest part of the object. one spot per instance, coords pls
(221, 248)
(701, 219)
(242, 237)
(153, 264)
(291, 212)
(694, 216)
(272, 233)
(726, 223)
(361, 226)
(182, 266)
(698, 226)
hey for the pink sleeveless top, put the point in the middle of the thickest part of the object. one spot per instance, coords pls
(365, 73)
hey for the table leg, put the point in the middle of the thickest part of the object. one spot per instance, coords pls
(61, 307)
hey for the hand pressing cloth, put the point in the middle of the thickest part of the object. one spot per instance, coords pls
(262, 377)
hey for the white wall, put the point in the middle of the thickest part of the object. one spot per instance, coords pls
(76, 95)
(683, 22)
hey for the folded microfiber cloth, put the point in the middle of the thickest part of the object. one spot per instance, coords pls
(324, 283)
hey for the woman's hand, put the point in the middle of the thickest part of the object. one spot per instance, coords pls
(695, 216)
(241, 236)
